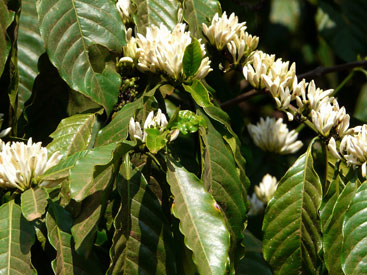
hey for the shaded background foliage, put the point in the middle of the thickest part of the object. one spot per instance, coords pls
(311, 33)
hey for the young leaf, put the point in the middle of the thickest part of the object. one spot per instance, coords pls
(16, 239)
(199, 93)
(201, 222)
(332, 243)
(34, 203)
(73, 134)
(142, 240)
(354, 253)
(69, 28)
(197, 12)
(187, 122)
(156, 140)
(192, 58)
(291, 227)
(154, 12)
(30, 48)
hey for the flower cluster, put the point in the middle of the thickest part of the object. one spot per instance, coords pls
(273, 136)
(227, 32)
(158, 121)
(21, 164)
(161, 50)
(126, 9)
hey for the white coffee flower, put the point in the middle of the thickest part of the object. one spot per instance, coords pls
(126, 9)
(256, 205)
(158, 121)
(283, 100)
(242, 44)
(313, 97)
(223, 29)
(6, 131)
(130, 49)
(273, 136)
(329, 116)
(162, 51)
(353, 148)
(21, 164)
(259, 64)
(279, 76)
(266, 188)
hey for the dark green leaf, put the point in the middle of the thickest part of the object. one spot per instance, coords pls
(81, 175)
(155, 12)
(6, 17)
(69, 28)
(332, 242)
(354, 253)
(34, 203)
(72, 135)
(207, 237)
(192, 58)
(222, 181)
(16, 239)
(197, 12)
(199, 93)
(30, 48)
(291, 226)
(142, 242)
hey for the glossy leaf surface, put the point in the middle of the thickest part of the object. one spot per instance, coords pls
(192, 58)
(201, 222)
(70, 28)
(291, 227)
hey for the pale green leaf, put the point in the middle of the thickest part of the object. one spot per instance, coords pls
(199, 93)
(34, 203)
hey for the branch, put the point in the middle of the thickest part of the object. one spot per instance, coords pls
(240, 98)
(319, 71)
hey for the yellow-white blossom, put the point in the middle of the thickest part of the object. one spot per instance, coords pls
(130, 49)
(259, 64)
(161, 50)
(126, 9)
(242, 44)
(21, 163)
(329, 116)
(313, 97)
(222, 29)
(266, 188)
(256, 205)
(158, 121)
(273, 136)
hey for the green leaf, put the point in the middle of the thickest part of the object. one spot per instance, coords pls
(156, 140)
(73, 134)
(192, 58)
(197, 12)
(58, 223)
(332, 242)
(34, 203)
(81, 175)
(155, 12)
(16, 239)
(6, 17)
(142, 241)
(187, 122)
(286, 13)
(354, 253)
(207, 237)
(69, 28)
(222, 181)
(199, 93)
(360, 112)
(291, 227)
(85, 224)
(30, 48)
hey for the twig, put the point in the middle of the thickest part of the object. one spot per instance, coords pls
(319, 71)
(242, 97)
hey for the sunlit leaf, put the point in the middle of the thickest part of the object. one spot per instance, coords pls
(207, 237)
(192, 58)
(291, 227)
(199, 93)
(16, 239)
(69, 28)
(34, 203)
